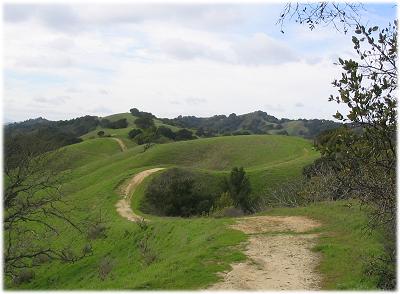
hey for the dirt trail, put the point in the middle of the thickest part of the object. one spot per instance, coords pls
(121, 144)
(279, 255)
(124, 205)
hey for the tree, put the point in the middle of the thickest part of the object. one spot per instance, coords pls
(364, 162)
(134, 132)
(166, 132)
(134, 111)
(35, 210)
(144, 123)
(184, 134)
(342, 16)
(238, 187)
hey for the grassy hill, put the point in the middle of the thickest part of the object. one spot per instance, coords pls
(183, 253)
(122, 133)
(201, 246)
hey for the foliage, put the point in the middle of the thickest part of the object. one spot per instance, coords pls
(184, 134)
(134, 132)
(100, 133)
(174, 193)
(34, 207)
(144, 122)
(341, 16)
(105, 267)
(135, 112)
(166, 132)
(118, 124)
(257, 122)
(238, 187)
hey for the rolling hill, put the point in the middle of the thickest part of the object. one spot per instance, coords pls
(97, 167)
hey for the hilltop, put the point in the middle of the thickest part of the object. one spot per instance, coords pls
(65, 132)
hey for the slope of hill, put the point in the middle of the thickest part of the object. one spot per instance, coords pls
(178, 253)
(122, 132)
(202, 246)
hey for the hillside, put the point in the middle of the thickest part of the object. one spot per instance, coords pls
(257, 122)
(54, 134)
(279, 157)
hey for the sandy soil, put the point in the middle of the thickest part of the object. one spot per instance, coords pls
(121, 144)
(282, 260)
(124, 205)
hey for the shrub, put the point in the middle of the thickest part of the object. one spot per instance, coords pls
(118, 124)
(230, 211)
(24, 276)
(184, 134)
(225, 200)
(97, 231)
(105, 267)
(100, 133)
(176, 193)
(238, 186)
(40, 259)
(134, 132)
(166, 132)
(144, 123)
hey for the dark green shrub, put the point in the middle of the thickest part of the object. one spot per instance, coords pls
(177, 192)
(144, 122)
(184, 134)
(166, 132)
(134, 132)
(238, 186)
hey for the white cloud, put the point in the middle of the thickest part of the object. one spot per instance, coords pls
(170, 60)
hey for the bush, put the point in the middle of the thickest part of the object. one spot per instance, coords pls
(144, 123)
(100, 133)
(238, 186)
(118, 124)
(97, 231)
(134, 132)
(166, 132)
(40, 259)
(176, 193)
(105, 267)
(184, 134)
(230, 211)
(24, 276)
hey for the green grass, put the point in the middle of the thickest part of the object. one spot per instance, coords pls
(189, 251)
(344, 243)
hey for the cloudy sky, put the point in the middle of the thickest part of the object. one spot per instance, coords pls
(65, 61)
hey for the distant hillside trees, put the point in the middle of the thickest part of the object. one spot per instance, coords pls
(54, 134)
(257, 122)
(134, 132)
(118, 124)
(184, 134)
(145, 122)
(166, 132)
(135, 112)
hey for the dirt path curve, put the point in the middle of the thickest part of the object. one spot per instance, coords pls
(124, 205)
(279, 255)
(121, 144)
